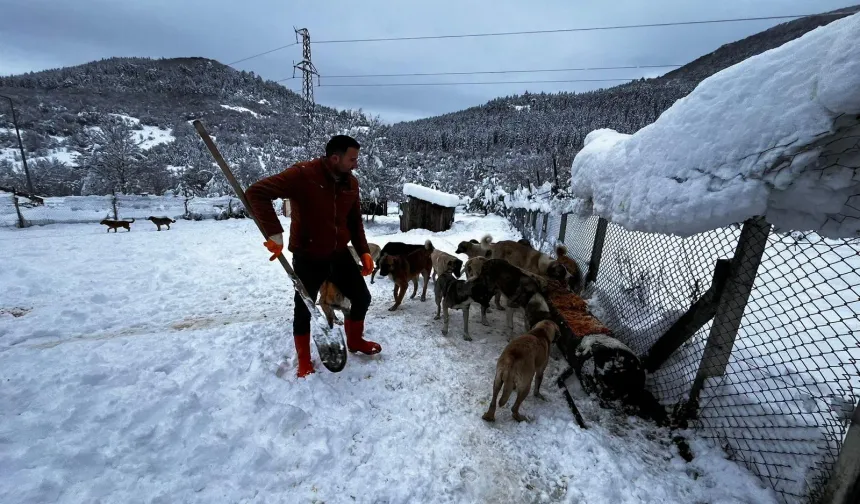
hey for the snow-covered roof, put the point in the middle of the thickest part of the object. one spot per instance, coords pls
(759, 138)
(431, 195)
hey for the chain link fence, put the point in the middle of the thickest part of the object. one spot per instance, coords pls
(758, 327)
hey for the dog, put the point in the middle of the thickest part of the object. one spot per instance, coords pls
(474, 248)
(161, 221)
(518, 286)
(523, 359)
(406, 268)
(331, 298)
(455, 294)
(444, 262)
(393, 248)
(114, 224)
(575, 281)
(374, 253)
(530, 259)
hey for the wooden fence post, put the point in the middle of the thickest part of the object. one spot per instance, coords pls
(733, 302)
(596, 250)
(844, 484)
(562, 229)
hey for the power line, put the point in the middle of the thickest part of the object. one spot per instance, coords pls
(569, 30)
(582, 69)
(262, 53)
(385, 84)
(535, 32)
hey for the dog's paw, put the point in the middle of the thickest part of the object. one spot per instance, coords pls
(485, 322)
(541, 396)
(521, 418)
(467, 337)
(489, 417)
(393, 308)
(437, 317)
(444, 332)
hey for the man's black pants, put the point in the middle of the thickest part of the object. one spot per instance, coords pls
(343, 272)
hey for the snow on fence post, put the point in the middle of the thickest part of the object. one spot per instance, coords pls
(733, 302)
(596, 250)
(844, 484)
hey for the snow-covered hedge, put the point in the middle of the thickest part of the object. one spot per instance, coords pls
(759, 138)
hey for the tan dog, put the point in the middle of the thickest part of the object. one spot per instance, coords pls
(523, 359)
(114, 224)
(331, 299)
(404, 269)
(474, 248)
(528, 258)
(473, 270)
(575, 280)
(374, 252)
(444, 262)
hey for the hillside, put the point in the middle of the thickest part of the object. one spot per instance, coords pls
(516, 138)
(123, 124)
(65, 112)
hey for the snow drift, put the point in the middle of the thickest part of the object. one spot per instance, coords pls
(774, 135)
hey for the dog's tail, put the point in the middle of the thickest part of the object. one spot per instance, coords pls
(132, 220)
(504, 374)
(560, 250)
(486, 240)
(171, 220)
(429, 246)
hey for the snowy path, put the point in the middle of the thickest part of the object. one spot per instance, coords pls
(141, 371)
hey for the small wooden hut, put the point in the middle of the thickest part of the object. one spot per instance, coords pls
(427, 208)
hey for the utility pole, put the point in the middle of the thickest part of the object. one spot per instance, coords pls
(20, 145)
(308, 70)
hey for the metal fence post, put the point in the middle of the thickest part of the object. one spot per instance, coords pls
(562, 229)
(733, 302)
(596, 250)
(844, 484)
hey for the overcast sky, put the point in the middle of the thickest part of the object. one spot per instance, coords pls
(40, 34)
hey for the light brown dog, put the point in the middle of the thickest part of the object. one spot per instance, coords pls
(404, 269)
(575, 281)
(331, 299)
(444, 262)
(114, 224)
(530, 259)
(374, 252)
(475, 248)
(523, 359)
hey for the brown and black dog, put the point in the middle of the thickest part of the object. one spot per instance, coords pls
(161, 221)
(523, 359)
(406, 268)
(114, 224)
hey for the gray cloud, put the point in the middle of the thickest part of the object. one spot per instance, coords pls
(39, 34)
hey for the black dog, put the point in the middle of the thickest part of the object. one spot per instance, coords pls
(395, 249)
(518, 287)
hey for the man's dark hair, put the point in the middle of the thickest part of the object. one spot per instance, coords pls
(339, 144)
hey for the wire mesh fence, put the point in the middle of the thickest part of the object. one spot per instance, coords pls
(778, 359)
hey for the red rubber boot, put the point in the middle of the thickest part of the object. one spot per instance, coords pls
(303, 351)
(355, 341)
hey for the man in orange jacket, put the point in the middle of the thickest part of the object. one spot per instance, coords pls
(326, 216)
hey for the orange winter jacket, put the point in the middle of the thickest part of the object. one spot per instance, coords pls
(325, 211)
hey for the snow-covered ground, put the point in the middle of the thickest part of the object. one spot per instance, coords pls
(138, 367)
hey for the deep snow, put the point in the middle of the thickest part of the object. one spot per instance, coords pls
(775, 135)
(138, 367)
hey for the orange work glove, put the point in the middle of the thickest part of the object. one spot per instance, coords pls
(275, 244)
(366, 264)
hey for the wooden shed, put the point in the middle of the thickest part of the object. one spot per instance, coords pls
(427, 208)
